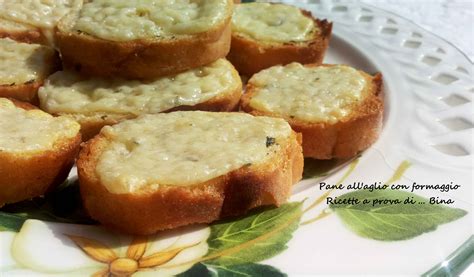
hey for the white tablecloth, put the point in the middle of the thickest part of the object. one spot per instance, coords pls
(452, 20)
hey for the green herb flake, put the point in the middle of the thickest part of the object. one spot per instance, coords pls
(270, 141)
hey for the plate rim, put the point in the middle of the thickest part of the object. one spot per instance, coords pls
(457, 261)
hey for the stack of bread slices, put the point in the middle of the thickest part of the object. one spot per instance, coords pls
(153, 90)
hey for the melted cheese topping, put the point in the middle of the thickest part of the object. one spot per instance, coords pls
(314, 94)
(184, 148)
(66, 92)
(33, 130)
(272, 22)
(23, 62)
(39, 13)
(11, 26)
(120, 20)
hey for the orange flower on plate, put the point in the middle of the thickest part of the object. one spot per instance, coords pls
(134, 259)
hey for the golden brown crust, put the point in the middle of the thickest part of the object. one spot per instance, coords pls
(249, 56)
(28, 92)
(27, 175)
(173, 206)
(345, 138)
(92, 124)
(23, 105)
(32, 35)
(142, 58)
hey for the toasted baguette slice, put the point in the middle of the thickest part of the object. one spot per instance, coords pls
(337, 109)
(24, 68)
(266, 34)
(33, 21)
(36, 150)
(168, 170)
(157, 39)
(96, 102)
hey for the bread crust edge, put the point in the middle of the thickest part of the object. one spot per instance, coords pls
(169, 207)
(33, 35)
(28, 92)
(141, 58)
(93, 123)
(343, 139)
(24, 176)
(250, 56)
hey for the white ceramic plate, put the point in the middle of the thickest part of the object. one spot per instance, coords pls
(427, 139)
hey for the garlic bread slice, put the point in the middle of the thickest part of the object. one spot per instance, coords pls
(337, 109)
(168, 170)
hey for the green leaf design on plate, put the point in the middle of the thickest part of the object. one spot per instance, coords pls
(198, 270)
(252, 269)
(258, 236)
(247, 270)
(319, 168)
(390, 222)
(10, 222)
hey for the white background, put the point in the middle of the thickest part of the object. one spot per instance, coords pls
(452, 20)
